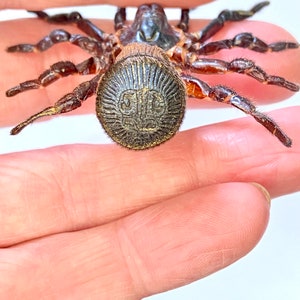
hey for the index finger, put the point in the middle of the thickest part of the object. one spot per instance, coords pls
(59, 3)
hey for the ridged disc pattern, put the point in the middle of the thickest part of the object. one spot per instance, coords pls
(141, 101)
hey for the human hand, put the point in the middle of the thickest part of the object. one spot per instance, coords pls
(102, 222)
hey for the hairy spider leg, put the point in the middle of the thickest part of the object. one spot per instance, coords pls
(90, 45)
(95, 43)
(93, 65)
(198, 89)
(75, 18)
(226, 15)
(241, 66)
(243, 40)
(238, 65)
(66, 104)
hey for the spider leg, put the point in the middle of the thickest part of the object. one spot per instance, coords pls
(199, 89)
(226, 15)
(238, 65)
(58, 70)
(66, 104)
(120, 18)
(184, 20)
(88, 44)
(242, 40)
(73, 18)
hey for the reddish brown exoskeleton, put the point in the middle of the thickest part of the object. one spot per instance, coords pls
(141, 72)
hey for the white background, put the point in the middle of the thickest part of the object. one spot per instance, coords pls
(272, 270)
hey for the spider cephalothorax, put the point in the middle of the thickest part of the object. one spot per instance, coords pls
(142, 72)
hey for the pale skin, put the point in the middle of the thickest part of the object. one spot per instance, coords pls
(103, 222)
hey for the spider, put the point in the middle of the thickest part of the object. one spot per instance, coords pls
(142, 72)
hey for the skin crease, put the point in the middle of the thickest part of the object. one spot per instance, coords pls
(78, 223)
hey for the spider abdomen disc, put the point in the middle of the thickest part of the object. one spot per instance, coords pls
(141, 98)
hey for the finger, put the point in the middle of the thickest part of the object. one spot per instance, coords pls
(28, 103)
(161, 247)
(73, 187)
(57, 3)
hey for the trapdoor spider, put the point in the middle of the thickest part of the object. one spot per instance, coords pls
(142, 72)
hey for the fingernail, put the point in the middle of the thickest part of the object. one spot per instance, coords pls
(263, 190)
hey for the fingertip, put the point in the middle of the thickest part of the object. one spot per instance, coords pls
(203, 231)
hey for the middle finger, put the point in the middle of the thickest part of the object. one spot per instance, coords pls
(72, 187)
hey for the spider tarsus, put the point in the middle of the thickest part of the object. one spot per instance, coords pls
(12, 92)
(280, 81)
(49, 111)
(280, 46)
(259, 6)
(287, 142)
(41, 14)
(17, 129)
(64, 18)
(21, 48)
(24, 86)
(272, 127)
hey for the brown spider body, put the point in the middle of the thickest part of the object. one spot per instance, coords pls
(142, 72)
(144, 112)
